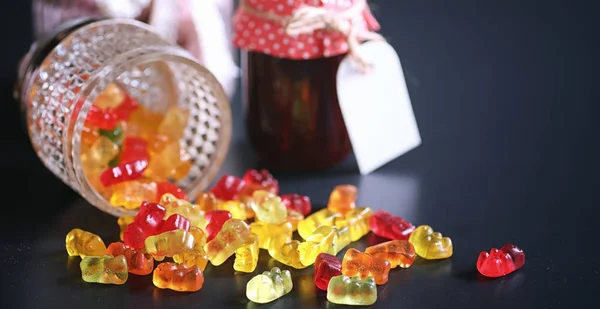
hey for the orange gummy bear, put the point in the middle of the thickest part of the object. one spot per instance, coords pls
(178, 277)
(356, 263)
(342, 199)
(138, 263)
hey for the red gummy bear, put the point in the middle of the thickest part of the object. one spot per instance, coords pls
(215, 219)
(134, 148)
(124, 172)
(174, 222)
(228, 188)
(327, 266)
(260, 180)
(297, 202)
(383, 224)
(102, 118)
(148, 222)
(124, 110)
(167, 187)
(501, 262)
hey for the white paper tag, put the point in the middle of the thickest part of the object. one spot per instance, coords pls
(377, 108)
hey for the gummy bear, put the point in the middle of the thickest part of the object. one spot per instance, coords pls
(176, 244)
(103, 118)
(312, 222)
(356, 263)
(228, 188)
(148, 222)
(357, 220)
(342, 199)
(246, 257)
(110, 97)
(260, 180)
(344, 290)
(383, 224)
(101, 152)
(134, 148)
(430, 245)
(236, 208)
(321, 240)
(206, 201)
(165, 187)
(234, 234)
(174, 123)
(124, 172)
(138, 263)
(343, 238)
(501, 262)
(178, 277)
(172, 162)
(269, 208)
(123, 222)
(104, 269)
(175, 205)
(174, 222)
(82, 243)
(294, 218)
(397, 252)
(115, 135)
(327, 266)
(215, 220)
(269, 286)
(131, 194)
(271, 234)
(287, 254)
(297, 202)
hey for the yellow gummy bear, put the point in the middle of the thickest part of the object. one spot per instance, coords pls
(269, 208)
(429, 244)
(184, 208)
(343, 238)
(288, 254)
(174, 123)
(271, 234)
(246, 257)
(234, 234)
(357, 220)
(269, 286)
(178, 244)
(101, 152)
(110, 97)
(322, 240)
(236, 208)
(83, 243)
(131, 194)
(324, 217)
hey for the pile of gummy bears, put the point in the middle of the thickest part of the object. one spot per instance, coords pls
(130, 153)
(240, 216)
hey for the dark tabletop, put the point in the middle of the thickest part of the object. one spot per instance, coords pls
(503, 95)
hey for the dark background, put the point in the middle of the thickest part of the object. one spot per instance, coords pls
(503, 94)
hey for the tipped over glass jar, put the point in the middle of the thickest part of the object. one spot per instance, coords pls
(121, 115)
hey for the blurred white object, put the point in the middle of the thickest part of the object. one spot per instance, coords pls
(200, 26)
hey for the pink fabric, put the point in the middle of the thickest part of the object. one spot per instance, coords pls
(265, 36)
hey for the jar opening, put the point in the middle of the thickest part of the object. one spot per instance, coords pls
(150, 117)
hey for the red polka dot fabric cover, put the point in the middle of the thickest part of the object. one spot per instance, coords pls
(257, 34)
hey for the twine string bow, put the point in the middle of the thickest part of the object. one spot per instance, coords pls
(307, 19)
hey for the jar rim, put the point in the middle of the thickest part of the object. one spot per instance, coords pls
(110, 73)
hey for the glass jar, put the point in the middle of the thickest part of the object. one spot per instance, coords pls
(293, 118)
(292, 51)
(63, 74)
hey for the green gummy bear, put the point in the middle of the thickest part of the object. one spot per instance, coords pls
(104, 269)
(344, 290)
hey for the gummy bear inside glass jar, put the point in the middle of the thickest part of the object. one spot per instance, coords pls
(131, 153)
